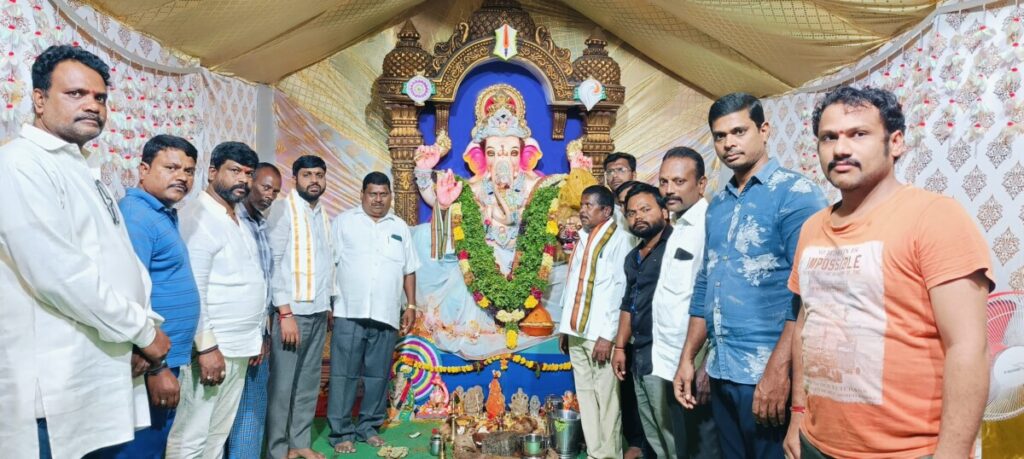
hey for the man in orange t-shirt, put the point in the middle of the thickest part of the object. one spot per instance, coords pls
(889, 358)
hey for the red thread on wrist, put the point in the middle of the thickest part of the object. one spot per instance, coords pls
(798, 409)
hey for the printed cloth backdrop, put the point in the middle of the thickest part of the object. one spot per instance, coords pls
(193, 103)
(960, 86)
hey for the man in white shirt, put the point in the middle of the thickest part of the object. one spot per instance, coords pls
(375, 264)
(590, 319)
(681, 181)
(302, 287)
(232, 293)
(75, 296)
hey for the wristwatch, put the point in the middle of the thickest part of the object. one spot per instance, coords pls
(410, 306)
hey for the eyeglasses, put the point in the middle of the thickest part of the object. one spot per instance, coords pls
(620, 171)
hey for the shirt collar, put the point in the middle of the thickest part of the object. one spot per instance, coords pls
(694, 214)
(762, 175)
(47, 141)
(389, 216)
(150, 200)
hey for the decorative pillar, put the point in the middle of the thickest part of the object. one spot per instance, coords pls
(598, 144)
(403, 138)
(441, 110)
(558, 117)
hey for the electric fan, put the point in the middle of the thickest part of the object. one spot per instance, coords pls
(1006, 355)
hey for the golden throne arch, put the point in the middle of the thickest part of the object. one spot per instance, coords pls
(469, 46)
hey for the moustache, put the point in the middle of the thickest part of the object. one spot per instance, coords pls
(240, 186)
(180, 186)
(845, 161)
(95, 118)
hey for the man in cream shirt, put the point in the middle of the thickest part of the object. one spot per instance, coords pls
(681, 181)
(75, 296)
(232, 293)
(303, 286)
(590, 319)
(376, 263)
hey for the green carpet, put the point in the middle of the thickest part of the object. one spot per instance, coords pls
(398, 435)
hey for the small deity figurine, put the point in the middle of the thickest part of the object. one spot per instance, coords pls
(535, 406)
(396, 395)
(408, 412)
(495, 399)
(458, 401)
(569, 401)
(436, 406)
(475, 401)
(520, 403)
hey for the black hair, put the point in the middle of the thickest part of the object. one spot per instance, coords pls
(376, 178)
(620, 155)
(888, 106)
(163, 142)
(626, 186)
(645, 188)
(605, 198)
(42, 68)
(688, 153)
(308, 162)
(272, 167)
(732, 103)
(234, 151)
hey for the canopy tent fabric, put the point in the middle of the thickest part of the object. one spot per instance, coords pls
(764, 47)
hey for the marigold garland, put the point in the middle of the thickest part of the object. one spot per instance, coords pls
(479, 366)
(523, 288)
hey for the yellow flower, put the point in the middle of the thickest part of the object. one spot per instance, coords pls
(530, 302)
(464, 266)
(552, 227)
(456, 208)
(484, 302)
(511, 339)
(554, 206)
(458, 234)
(546, 261)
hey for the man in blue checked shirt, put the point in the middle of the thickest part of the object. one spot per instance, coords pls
(165, 178)
(246, 437)
(741, 305)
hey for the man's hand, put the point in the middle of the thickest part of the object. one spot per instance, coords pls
(771, 394)
(408, 320)
(682, 384)
(211, 368)
(791, 445)
(619, 363)
(448, 189)
(289, 332)
(703, 384)
(163, 389)
(602, 351)
(157, 350)
(264, 353)
(139, 364)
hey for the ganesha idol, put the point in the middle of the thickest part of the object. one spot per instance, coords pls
(502, 157)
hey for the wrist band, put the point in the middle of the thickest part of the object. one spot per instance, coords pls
(410, 306)
(211, 349)
(798, 409)
(616, 348)
(158, 369)
(285, 316)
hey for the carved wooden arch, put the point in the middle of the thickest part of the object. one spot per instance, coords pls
(470, 45)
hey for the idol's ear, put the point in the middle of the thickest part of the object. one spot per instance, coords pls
(530, 155)
(475, 158)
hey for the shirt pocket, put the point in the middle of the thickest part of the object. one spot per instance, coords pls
(678, 275)
(394, 251)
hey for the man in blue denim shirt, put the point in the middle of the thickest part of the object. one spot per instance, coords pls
(741, 304)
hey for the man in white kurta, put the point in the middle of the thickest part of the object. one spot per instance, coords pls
(232, 294)
(590, 319)
(302, 287)
(74, 295)
(376, 264)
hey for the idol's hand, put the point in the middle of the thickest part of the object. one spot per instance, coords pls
(427, 156)
(448, 189)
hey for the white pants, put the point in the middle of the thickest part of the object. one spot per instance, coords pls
(597, 390)
(206, 413)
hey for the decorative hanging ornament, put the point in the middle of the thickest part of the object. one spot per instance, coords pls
(590, 92)
(419, 88)
(505, 42)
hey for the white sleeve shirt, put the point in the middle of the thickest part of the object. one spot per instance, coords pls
(671, 303)
(372, 260)
(75, 299)
(232, 291)
(606, 289)
(279, 228)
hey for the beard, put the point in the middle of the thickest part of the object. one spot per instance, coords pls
(652, 229)
(228, 194)
(307, 196)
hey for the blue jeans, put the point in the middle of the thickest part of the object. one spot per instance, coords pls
(739, 435)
